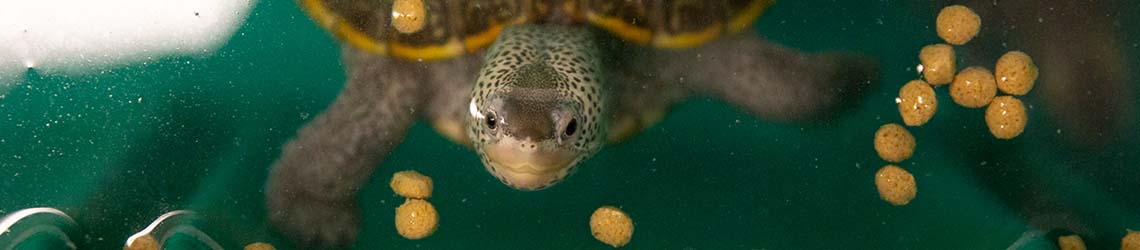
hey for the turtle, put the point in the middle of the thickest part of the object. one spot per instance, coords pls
(534, 87)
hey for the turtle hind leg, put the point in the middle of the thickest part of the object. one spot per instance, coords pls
(311, 190)
(766, 79)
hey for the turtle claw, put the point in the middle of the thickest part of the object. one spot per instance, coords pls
(312, 222)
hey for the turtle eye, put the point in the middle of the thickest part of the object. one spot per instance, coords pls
(491, 120)
(571, 127)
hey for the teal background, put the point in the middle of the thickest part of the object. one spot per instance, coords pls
(115, 149)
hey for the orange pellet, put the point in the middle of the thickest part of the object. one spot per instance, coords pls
(973, 87)
(1006, 117)
(409, 16)
(938, 65)
(958, 24)
(146, 242)
(1131, 241)
(416, 219)
(259, 246)
(896, 185)
(612, 226)
(894, 143)
(1071, 242)
(1015, 73)
(411, 184)
(917, 103)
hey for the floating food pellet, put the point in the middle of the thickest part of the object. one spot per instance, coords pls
(917, 103)
(259, 246)
(973, 87)
(1071, 242)
(938, 63)
(411, 184)
(408, 16)
(958, 24)
(1131, 241)
(1006, 117)
(1015, 73)
(416, 219)
(610, 225)
(896, 185)
(146, 242)
(894, 143)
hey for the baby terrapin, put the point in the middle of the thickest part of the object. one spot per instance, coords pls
(559, 80)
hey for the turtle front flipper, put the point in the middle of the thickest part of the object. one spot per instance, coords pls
(766, 79)
(311, 191)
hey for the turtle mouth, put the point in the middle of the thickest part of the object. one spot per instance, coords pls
(528, 166)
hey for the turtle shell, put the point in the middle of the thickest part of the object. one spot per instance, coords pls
(452, 28)
(673, 24)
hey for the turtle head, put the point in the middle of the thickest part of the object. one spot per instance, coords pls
(529, 138)
(537, 106)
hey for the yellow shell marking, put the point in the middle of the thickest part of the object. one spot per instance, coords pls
(408, 16)
(687, 40)
(644, 36)
(450, 49)
(335, 23)
(481, 40)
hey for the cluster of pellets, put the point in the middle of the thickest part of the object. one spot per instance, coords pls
(149, 242)
(894, 144)
(416, 218)
(972, 87)
(1130, 241)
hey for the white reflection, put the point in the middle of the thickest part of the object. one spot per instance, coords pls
(73, 36)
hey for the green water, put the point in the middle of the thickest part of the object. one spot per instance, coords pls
(115, 149)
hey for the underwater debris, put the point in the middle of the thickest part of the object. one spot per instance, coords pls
(896, 185)
(1006, 117)
(917, 103)
(1015, 73)
(973, 87)
(1071, 242)
(894, 143)
(411, 184)
(938, 63)
(957, 24)
(612, 226)
(416, 219)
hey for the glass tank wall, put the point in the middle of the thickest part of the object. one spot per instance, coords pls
(100, 154)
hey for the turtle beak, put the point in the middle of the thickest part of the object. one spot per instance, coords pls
(528, 165)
